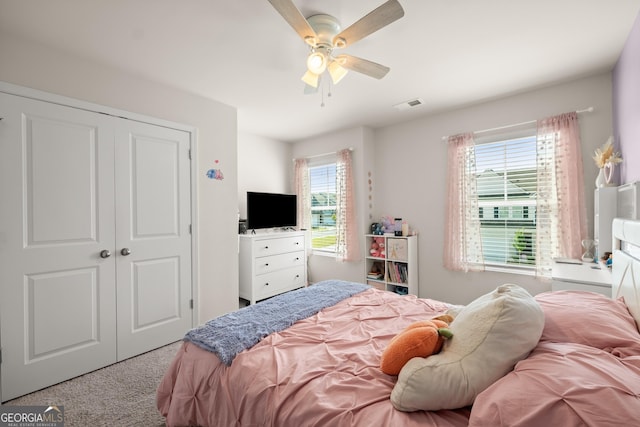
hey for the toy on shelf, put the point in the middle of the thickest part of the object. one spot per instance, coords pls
(376, 228)
(396, 226)
(387, 224)
(377, 247)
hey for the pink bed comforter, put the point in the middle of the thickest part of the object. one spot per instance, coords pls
(585, 371)
(324, 371)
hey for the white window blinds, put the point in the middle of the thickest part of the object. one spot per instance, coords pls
(322, 179)
(506, 185)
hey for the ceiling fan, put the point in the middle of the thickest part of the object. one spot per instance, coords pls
(323, 34)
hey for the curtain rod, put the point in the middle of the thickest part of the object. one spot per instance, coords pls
(586, 110)
(324, 154)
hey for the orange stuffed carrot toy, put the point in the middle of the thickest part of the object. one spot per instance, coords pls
(420, 339)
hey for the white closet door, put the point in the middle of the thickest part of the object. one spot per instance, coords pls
(153, 239)
(57, 295)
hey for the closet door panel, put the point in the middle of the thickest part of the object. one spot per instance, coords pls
(155, 179)
(54, 183)
(152, 225)
(57, 294)
(155, 280)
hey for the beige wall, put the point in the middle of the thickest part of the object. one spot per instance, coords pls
(39, 67)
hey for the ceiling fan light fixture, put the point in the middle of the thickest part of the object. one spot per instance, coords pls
(336, 72)
(317, 62)
(311, 79)
(323, 33)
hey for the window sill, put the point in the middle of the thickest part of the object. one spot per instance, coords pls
(327, 254)
(524, 271)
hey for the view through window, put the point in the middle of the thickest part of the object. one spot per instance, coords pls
(506, 183)
(323, 207)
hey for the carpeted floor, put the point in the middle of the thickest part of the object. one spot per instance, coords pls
(123, 394)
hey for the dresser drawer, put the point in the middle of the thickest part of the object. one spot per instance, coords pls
(268, 264)
(277, 245)
(274, 283)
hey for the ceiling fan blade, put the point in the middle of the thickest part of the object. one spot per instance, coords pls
(294, 17)
(363, 66)
(310, 90)
(376, 19)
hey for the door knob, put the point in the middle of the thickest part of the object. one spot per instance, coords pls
(105, 253)
(125, 251)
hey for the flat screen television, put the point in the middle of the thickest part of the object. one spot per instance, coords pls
(271, 210)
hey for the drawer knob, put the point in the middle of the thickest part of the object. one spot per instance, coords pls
(266, 284)
(266, 264)
(266, 247)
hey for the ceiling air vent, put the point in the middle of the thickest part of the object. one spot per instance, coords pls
(412, 103)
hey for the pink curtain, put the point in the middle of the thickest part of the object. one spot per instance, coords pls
(561, 209)
(462, 240)
(347, 247)
(301, 182)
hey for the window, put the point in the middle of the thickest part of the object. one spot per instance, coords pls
(515, 199)
(506, 184)
(322, 187)
(326, 204)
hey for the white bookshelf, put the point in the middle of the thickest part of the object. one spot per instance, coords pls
(398, 264)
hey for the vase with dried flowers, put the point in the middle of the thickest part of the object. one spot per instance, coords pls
(606, 159)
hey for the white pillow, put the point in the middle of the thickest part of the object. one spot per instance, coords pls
(490, 335)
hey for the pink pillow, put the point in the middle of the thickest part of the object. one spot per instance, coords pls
(562, 384)
(589, 319)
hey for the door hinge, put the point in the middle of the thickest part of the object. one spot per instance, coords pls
(0, 356)
(190, 229)
(191, 304)
(189, 154)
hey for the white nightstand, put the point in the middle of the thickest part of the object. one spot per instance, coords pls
(581, 277)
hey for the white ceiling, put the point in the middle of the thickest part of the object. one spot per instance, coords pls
(449, 53)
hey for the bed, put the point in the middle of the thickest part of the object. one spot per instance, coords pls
(570, 358)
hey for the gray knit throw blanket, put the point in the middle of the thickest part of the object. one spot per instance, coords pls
(229, 334)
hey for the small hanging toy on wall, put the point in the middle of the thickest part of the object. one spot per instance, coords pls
(215, 173)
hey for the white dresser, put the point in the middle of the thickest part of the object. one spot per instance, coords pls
(271, 263)
(587, 276)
